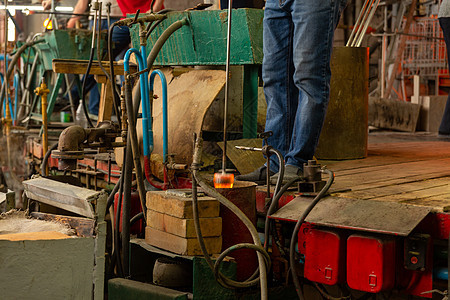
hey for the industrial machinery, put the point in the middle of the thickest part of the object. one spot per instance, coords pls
(305, 239)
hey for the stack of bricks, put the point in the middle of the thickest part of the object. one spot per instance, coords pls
(170, 222)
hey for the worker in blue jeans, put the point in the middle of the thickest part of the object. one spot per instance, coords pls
(297, 44)
(444, 21)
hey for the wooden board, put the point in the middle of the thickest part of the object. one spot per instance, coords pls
(84, 227)
(33, 236)
(181, 207)
(393, 114)
(415, 173)
(69, 197)
(179, 245)
(210, 227)
(74, 66)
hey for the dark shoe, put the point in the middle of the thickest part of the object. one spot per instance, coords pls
(258, 176)
(442, 135)
(290, 172)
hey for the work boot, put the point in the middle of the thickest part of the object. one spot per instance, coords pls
(290, 172)
(258, 176)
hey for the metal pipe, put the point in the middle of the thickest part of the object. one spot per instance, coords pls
(146, 120)
(43, 91)
(227, 88)
(16, 85)
(5, 66)
(164, 109)
(355, 28)
(359, 26)
(383, 51)
(366, 24)
(132, 135)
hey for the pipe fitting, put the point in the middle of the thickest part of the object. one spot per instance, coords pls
(70, 147)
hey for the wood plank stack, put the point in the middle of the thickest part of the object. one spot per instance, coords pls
(170, 223)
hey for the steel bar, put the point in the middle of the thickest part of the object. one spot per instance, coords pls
(358, 21)
(227, 74)
(366, 25)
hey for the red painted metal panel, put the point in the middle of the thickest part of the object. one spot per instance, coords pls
(370, 263)
(325, 256)
(138, 227)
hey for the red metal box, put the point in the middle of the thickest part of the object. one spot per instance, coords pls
(370, 263)
(324, 256)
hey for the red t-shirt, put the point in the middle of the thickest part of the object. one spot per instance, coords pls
(131, 6)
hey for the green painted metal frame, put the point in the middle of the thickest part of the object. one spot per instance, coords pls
(203, 42)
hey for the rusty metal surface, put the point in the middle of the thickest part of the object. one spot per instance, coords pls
(345, 131)
(366, 215)
(71, 198)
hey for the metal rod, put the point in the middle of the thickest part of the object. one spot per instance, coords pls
(227, 73)
(5, 61)
(366, 25)
(363, 21)
(72, 105)
(361, 13)
(383, 53)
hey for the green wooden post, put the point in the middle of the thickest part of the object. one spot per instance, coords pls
(250, 101)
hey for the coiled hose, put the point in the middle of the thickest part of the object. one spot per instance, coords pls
(263, 256)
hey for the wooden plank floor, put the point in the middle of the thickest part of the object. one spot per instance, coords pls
(412, 172)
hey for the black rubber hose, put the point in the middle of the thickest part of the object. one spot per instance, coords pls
(136, 218)
(99, 60)
(117, 221)
(280, 171)
(273, 206)
(152, 28)
(292, 261)
(263, 259)
(110, 200)
(126, 206)
(132, 136)
(157, 47)
(46, 157)
(83, 87)
(114, 89)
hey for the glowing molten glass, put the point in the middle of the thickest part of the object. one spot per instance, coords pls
(223, 180)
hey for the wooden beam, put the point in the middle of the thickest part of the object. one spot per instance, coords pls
(73, 66)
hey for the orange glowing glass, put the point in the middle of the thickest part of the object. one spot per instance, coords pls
(223, 180)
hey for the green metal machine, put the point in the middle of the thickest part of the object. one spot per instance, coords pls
(203, 43)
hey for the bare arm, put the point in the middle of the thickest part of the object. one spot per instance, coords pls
(79, 8)
(47, 4)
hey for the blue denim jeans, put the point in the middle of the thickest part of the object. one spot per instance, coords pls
(297, 44)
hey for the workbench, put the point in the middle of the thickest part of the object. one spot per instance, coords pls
(396, 175)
